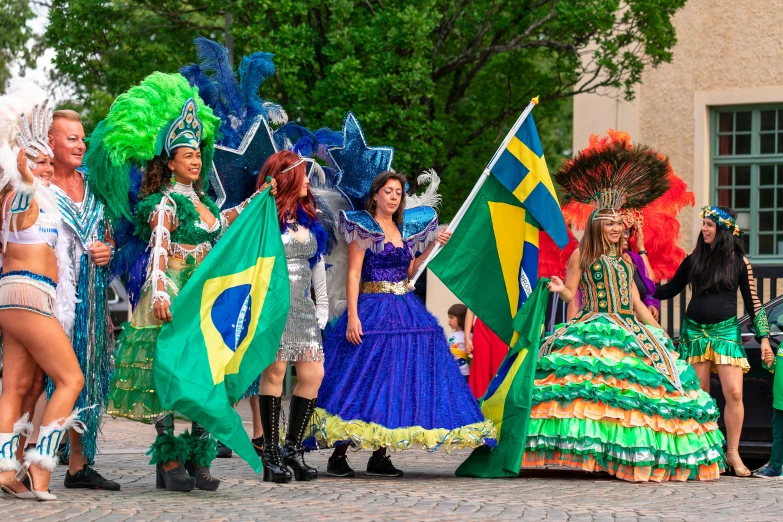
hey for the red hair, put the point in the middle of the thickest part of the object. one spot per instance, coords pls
(289, 185)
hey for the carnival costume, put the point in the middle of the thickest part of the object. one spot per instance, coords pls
(25, 119)
(153, 119)
(610, 394)
(710, 330)
(400, 387)
(658, 219)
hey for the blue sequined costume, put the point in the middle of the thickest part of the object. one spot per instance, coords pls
(400, 387)
(92, 336)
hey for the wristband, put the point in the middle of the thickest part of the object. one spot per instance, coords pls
(642, 252)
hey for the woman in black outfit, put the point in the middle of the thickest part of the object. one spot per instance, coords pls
(710, 337)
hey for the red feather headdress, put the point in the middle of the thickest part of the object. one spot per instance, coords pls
(658, 218)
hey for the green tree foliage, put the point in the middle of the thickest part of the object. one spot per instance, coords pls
(17, 41)
(440, 80)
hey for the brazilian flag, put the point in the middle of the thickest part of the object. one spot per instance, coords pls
(509, 397)
(226, 328)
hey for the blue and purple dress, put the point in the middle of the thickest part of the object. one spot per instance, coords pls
(400, 387)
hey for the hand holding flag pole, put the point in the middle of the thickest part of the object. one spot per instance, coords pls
(464, 208)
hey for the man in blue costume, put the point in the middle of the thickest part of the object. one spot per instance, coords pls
(91, 249)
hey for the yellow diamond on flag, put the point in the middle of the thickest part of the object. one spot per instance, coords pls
(230, 308)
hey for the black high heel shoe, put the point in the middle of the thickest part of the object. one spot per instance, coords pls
(274, 468)
(202, 451)
(168, 448)
(293, 451)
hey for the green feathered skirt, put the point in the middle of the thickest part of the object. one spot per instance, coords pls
(719, 343)
(132, 393)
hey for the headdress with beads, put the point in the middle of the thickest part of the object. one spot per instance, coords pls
(155, 117)
(721, 218)
(25, 119)
(615, 176)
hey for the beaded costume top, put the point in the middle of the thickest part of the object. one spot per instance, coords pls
(191, 230)
(606, 287)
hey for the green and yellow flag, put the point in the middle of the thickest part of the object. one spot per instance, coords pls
(508, 399)
(491, 261)
(226, 327)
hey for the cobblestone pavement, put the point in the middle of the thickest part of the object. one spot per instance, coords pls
(429, 491)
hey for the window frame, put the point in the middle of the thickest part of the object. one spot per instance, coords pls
(754, 160)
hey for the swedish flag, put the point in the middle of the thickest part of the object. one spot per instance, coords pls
(226, 327)
(521, 168)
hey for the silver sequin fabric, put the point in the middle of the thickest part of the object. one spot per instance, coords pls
(301, 337)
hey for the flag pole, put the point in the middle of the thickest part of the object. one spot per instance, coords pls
(484, 175)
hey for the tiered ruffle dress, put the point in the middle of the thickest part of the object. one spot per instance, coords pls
(611, 395)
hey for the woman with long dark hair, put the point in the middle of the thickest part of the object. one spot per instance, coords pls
(304, 240)
(390, 380)
(710, 337)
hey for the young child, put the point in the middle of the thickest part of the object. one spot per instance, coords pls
(457, 315)
(774, 363)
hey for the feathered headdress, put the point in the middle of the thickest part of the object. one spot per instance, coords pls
(658, 219)
(25, 118)
(615, 175)
(237, 104)
(128, 136)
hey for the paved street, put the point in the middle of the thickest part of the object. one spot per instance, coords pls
(429, 491)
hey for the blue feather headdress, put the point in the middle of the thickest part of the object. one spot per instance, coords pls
(237, 104)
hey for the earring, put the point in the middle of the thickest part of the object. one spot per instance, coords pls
(173, 179)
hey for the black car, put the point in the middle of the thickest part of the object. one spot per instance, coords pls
(756, 440)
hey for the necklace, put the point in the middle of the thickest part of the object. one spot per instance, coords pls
(292, 222)
(69, 187)
(185, 190)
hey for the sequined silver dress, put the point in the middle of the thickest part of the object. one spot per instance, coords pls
(301, 338)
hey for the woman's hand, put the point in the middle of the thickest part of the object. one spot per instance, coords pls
(767, 355)
(100, 252)
(162, 311)
(24, 167)
(469, 346)
(556, 284)
(267, 184)
(443, 237)
(354, 331)
(654, 311)
(639, 237)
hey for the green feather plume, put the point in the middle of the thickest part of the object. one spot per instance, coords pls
(126, 137)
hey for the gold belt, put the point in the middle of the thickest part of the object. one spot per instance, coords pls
(385, 287)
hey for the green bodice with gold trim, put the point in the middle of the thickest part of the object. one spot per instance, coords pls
(607, 297)
(606, 286)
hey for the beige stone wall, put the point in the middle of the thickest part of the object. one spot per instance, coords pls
(728, 52)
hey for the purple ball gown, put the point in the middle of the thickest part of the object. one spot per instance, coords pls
(400, 387)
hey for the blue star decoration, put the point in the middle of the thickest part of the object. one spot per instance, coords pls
(234, 172)
(357, 163)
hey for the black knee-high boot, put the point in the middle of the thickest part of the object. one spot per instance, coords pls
(274, 469)
(293, 451)
(203, 449)
(167, 448)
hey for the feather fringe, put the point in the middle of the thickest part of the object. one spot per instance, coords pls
(430, 197)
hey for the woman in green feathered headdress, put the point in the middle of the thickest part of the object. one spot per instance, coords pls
(163, 127)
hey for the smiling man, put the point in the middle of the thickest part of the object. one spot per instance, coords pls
(91, 248)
